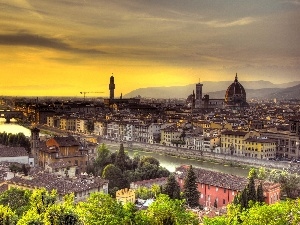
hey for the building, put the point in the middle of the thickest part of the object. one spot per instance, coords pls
(112, 87)
(82, 187)
(222, 188)
(15, 154)
(199, 101)
(125, 195)
(235, 96)
(58, 149)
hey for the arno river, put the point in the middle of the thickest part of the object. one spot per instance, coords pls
(166, 161)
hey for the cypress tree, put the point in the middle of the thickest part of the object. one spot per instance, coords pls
(244, 199)
(121, 158)
(190, 191)
(172, 188)
(251, 190)
(260, 194)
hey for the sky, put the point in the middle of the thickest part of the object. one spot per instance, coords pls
(64, 47)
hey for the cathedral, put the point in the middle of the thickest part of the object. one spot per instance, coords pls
(235, 98)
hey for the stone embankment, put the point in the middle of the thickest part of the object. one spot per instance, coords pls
(208, 156)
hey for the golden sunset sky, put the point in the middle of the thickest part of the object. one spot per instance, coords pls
(62, 47)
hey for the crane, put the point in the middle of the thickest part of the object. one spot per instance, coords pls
(86, 92)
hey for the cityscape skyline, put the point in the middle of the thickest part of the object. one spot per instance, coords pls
(67, 47)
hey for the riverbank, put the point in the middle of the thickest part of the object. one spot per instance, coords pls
(226, 160)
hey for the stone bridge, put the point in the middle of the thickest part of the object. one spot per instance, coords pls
(7, 114)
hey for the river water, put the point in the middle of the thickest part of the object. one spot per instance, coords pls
(169, 162)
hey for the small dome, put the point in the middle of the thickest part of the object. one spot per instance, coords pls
(236, 94)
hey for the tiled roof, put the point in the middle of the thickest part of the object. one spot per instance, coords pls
(13, 152)
(61, 164)
(66, 141)
(62, 185)
(231, 132)
(217, 179)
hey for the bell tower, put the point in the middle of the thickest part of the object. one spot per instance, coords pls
(112, 87)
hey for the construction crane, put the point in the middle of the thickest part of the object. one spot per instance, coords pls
(87, 92)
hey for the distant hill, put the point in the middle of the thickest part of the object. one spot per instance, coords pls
(287, 93)
(257, 89)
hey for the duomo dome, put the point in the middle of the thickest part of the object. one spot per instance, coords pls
(236, 95)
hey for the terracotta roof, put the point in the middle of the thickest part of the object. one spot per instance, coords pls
(232, 132)
(62, 185)
(213, 178)
(66, 141)
(13, 152)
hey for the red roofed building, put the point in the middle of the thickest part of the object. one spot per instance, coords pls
(222, 188)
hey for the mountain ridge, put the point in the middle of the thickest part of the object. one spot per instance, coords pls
(217, 89)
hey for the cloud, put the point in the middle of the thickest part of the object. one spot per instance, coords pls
(240, 22)
(26, 39)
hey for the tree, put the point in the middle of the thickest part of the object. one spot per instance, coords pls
(251, 190)
(115, 177)
(101, 209)
(289, 182)
(150, 160)
(102, 160)
(41, 199)
(121, 158)
(166, 211)
(190, 191)
(16, 199)
(171, 188)
(260, 193)
(7, 216)
(62, 213)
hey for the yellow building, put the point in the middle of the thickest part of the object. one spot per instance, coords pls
(125, 195)
(261, 148)
(249, 144)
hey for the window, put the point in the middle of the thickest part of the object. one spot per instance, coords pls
(224, 190)
(217, 188)
(208, 186)
(224, 202)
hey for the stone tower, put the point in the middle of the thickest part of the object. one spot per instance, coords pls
(112, 87)
(35, 139)
(198, 100)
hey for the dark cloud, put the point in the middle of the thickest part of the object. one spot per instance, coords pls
(26, 39)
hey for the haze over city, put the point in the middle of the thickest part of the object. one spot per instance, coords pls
(65, 47)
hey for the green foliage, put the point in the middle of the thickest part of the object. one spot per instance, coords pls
(172, 188)
(149, 160)
(7, 216)
(41, 199)
(121, 158)
(16, 199)
(166, 211)
(116, 178)
(15, 140)
(102, 160)
(252, 173)
(31, 217)
(260, 193)
(289, 182)
(190, 190)
(146, 193)
(101, 209)
(251, 195)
